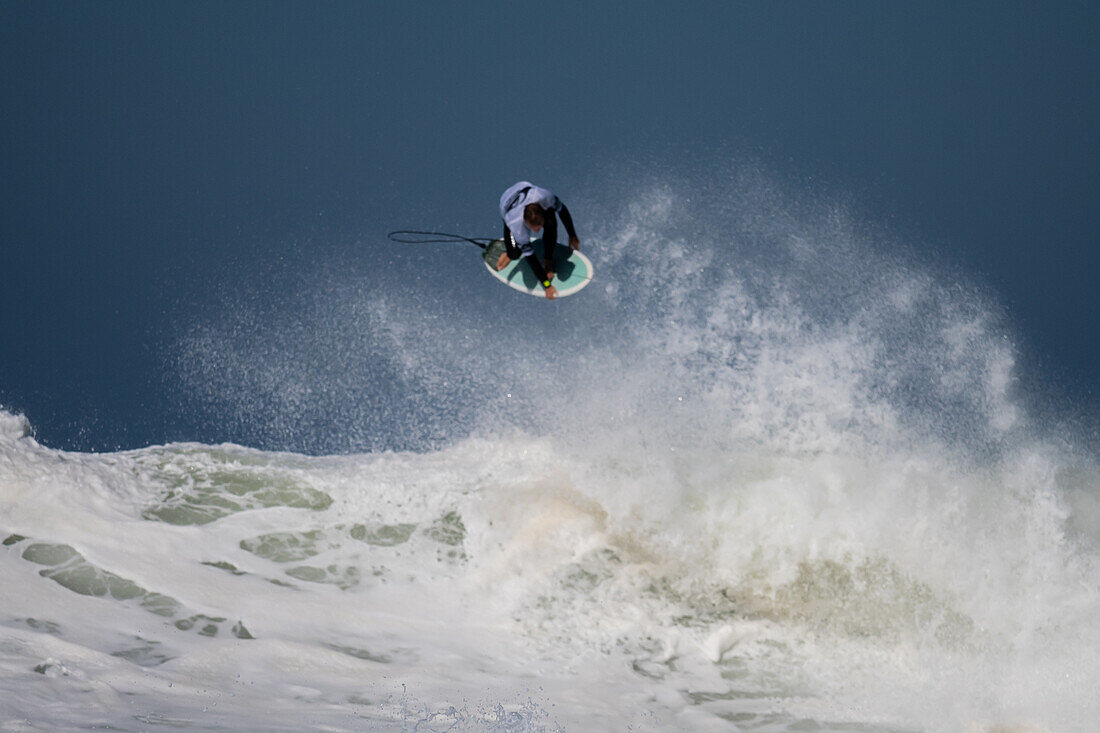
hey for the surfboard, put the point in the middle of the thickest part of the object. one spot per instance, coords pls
(572, 270)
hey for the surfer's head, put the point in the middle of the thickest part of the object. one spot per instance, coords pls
(532, 217)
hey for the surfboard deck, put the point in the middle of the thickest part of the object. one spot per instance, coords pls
(572, 270)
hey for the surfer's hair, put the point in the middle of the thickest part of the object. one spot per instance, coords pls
(532, 215)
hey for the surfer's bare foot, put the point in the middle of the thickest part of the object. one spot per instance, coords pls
(551, 293)
(503, 261)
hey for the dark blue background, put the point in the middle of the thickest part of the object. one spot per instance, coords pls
(152, 152)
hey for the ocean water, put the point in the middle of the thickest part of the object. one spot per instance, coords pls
(789, 483)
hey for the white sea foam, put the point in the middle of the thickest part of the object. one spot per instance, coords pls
(221, 586)
(790, 486)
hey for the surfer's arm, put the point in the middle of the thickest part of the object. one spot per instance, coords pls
(567, 220)
(511, 248)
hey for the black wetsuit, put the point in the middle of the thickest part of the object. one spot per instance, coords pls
(549, 241)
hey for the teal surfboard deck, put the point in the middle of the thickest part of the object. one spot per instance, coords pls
(572, 270)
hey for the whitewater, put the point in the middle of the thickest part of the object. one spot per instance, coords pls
(790, 484)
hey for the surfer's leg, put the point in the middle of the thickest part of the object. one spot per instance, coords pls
(536, 267)
(549, 239)
(550, 227)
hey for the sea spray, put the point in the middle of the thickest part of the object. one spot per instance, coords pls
(785, 482)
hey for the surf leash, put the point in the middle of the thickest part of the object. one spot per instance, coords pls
(412, 236)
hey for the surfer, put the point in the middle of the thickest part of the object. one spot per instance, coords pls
(529, 213)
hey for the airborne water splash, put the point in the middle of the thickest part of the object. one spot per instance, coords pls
(784, 484)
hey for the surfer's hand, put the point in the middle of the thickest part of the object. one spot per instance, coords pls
(551, 293)
(574, 243)
(503, 261)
